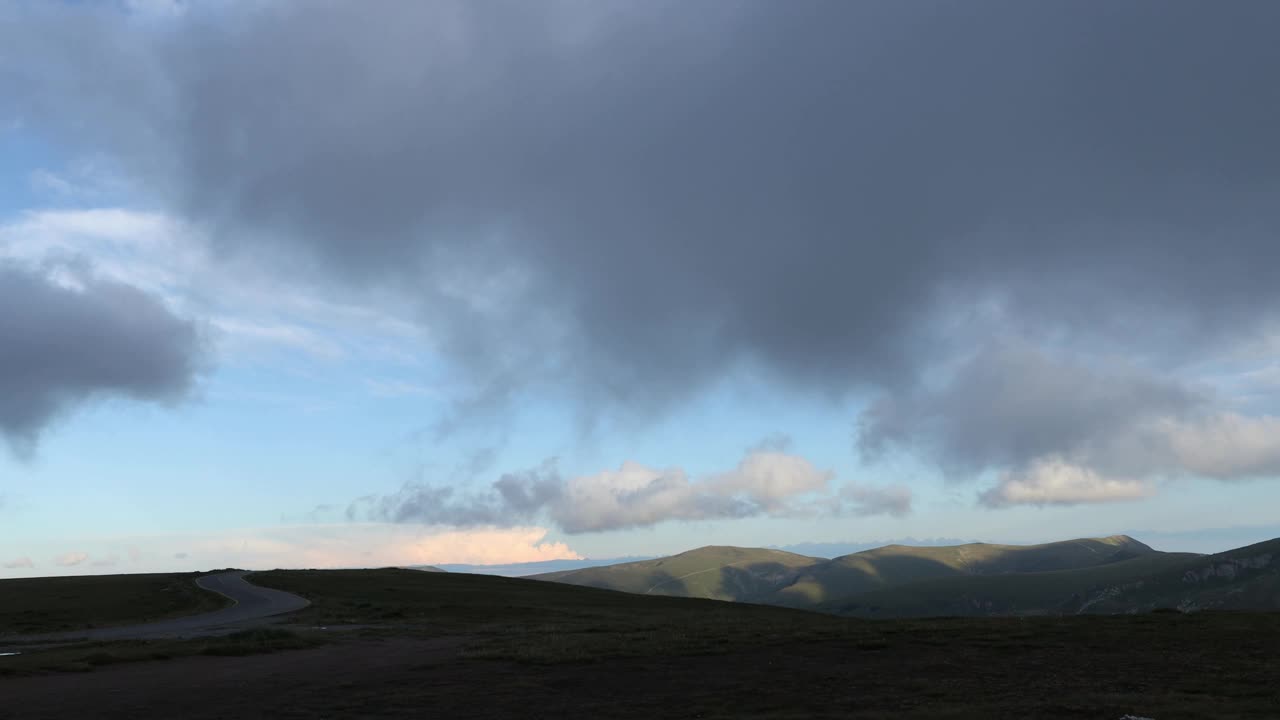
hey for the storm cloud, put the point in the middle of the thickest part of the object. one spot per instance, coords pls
(763, 484)
(630, 201)
(71, 338)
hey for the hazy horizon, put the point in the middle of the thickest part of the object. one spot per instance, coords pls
(290, 284)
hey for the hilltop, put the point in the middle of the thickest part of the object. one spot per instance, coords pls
(775, 577)
(1246, 578)
(843, 577)
(1242, 579)
(714, 572)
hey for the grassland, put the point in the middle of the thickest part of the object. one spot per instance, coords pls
(477, 646)
(44, 605)
(536, 621)
(84, 657)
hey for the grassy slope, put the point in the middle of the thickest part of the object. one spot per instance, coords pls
(39, 605)
(538, 621)
(1037, 593)
(574, 651)
(1242, 579)
(1246, 578)
(718, 573)
(844, 577)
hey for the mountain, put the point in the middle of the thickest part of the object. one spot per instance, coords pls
(1116, 574)
(719, 573)
(826, 584)
(781, 578)
(1246, 578)
(1054, 592)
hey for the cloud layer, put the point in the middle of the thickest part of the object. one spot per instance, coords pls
(632, 200)
(764, 484)
(967, 211)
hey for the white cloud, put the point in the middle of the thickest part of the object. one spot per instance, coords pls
(1072, 429)
(1227, 446)
(250, 307)
(1056, 482)
(632, 496)
(19, 563)
(1221, 446)
(771, 478)
(71, 559)
(764, 483)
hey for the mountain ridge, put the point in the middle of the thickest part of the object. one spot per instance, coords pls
(1102, 575)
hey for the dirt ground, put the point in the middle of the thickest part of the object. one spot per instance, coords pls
(911, 677)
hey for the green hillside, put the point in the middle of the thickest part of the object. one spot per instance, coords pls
(719, 573)
(781, 578)
(1243, 579)
(1246, 578)
(1114, 574)
(1054, 592)
(829, 583)
(54, 604)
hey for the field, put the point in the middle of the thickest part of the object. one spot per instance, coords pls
(397, 643)
(45, 605)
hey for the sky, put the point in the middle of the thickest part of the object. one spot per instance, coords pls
(325, 284)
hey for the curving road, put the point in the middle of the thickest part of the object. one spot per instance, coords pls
(251, 603)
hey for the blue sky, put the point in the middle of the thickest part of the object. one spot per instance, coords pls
(382, 305)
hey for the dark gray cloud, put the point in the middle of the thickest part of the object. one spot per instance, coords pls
(1065, 431)
(633, 198)
(67, 343)
(630, 200)
(1011, 404)
(765, 483)
(513, 498)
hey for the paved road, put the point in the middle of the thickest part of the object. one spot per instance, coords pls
(251, 603)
